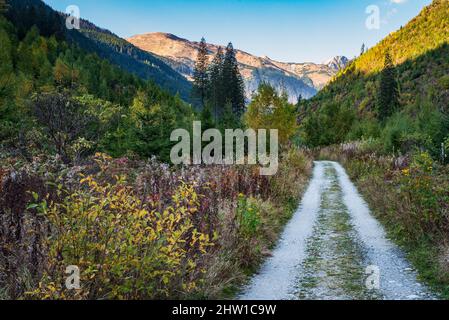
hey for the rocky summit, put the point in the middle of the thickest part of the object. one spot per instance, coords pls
(297, 79)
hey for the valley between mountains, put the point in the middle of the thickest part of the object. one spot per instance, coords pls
(297, 79)
(92, 179)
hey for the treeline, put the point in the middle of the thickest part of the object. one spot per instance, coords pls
(58, 98)
(218, 87)
(41, 75)
(24, 14)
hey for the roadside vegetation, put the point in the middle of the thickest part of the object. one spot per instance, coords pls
(410, 196)
(386, 119)
(139, 229)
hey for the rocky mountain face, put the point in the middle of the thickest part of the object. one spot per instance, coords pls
(337, 63)
(304, 79)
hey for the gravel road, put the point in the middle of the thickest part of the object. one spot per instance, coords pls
(334, 249)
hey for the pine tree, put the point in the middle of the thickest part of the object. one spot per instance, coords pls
(363, 49)
(153, 132)
(233, 82)
(200, 78)
(388, 91)
(299, 103)
(64, 74)
(207, 121)
(215, 92)
(229, 120)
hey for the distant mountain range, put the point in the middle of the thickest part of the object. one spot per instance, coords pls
(304, 79)
(169, 60)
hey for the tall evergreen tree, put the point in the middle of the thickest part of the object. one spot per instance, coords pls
(233, 82)
(299, 103)
(363, 49)
(215, 92)
(152, 134)
(200, 78)
(229, 119)
(207, 121)
(388, 91)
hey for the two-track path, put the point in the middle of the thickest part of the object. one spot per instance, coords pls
(333, 248)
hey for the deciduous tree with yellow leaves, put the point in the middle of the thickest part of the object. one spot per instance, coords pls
(271, 110)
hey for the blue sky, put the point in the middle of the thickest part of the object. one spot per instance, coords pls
(284, 30)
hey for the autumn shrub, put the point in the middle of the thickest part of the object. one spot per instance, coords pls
(125, 249)
(422, 183)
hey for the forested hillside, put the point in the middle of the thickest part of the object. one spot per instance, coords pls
(350, 107)
(111, 108)
(26, 13)
(85, 176)
(132, 59)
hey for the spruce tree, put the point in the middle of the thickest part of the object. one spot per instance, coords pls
(363, 49)
(200, 78)
(215, 92)
(233, 82)
(229, 120)
(207, 121)
(388, 90)
(152, 134)
(299, 103)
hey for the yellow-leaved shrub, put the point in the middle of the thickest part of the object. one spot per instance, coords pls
(123, 247)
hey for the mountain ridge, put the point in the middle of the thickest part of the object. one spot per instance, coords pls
(304, 79)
